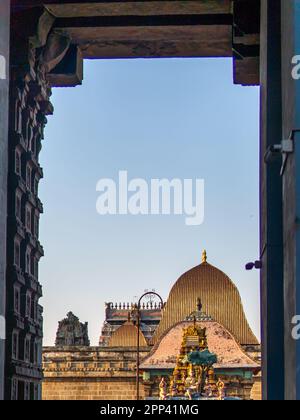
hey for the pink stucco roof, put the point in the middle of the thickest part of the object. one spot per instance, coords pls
(220, 342)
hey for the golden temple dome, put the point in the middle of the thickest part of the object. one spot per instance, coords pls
(219, 296)
(126, 336)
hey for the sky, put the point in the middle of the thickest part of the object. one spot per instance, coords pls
(155, 118)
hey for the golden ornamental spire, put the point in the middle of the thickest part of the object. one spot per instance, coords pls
(204, 257)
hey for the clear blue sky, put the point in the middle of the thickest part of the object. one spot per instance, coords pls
(173, 118)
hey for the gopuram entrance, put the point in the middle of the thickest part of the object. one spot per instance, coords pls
(48, 42)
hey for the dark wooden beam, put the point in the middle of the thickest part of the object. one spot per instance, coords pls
(246, 16)
(161, 28)
(151, 49)
(79, 8)
(246, 71)
(161, 41)
(152, 35)
(149, 20)
(139, 8)
(246, 42)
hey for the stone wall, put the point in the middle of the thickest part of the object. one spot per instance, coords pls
(256, 393)
(102, 373)
(110, 389)
(90, 373)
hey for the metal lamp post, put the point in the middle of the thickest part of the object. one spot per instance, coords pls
(138, 311)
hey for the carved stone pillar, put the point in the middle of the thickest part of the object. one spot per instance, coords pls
(35, 51)
(29, 105)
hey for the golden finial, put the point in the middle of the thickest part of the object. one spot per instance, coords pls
(204, 256)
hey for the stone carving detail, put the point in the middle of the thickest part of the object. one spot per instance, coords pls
(34, 52)
(71, 332)
(29, 105)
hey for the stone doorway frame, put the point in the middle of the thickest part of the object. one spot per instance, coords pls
(49, 40)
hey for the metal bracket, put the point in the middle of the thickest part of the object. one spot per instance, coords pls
(286, 154)
(274, 151)
(286, 148)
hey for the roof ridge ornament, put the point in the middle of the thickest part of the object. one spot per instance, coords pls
(204, 257)
(198, 315)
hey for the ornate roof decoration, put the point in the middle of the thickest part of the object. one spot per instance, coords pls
(199, 315)
(201, 358)
(229, 353)
(193, 361)
(71, 332)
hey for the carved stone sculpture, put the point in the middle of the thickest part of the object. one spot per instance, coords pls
(71, 332)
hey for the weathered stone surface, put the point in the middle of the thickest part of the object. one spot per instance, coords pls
(71, 332)
(94, 373)
(29, 105)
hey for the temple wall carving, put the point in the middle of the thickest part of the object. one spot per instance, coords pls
(91, 373)
(29, 105)
(35, 51)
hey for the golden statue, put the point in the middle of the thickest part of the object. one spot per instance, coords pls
(173, 389)
(194, 376)
(189, 376)
(221, 390)
(191, 384)
(163, 390)
(208, 390)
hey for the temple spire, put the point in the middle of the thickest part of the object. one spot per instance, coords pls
(204, 257)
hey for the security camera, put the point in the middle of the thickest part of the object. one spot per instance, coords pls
(257, 265)
(249, 266)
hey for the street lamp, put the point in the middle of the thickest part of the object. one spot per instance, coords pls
(138, 318)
